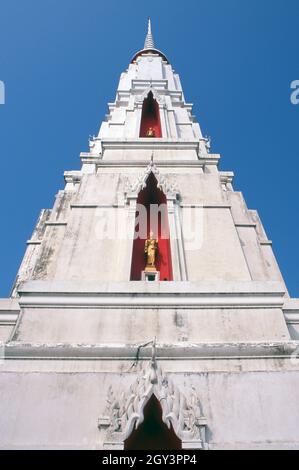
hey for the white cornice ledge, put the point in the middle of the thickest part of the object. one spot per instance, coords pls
(146, 143)
(9, 306)
(291, 311)
(152, 295)
(291, 306)
(80, 286)
(56, 223)
(162, 301)
(207, 159)
(17, 350)
(9, 311)
(144, 163)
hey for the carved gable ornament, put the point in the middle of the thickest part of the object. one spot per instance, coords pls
(124, 412)
(159, 98)
(167, 185)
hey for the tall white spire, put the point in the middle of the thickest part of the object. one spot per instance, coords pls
(149, 40)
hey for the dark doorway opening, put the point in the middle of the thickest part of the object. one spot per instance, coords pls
(153, 434)
(150, 118)
(151, 195)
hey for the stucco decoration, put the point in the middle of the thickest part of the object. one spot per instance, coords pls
(139, 99)
(165, 183)
(124, 413)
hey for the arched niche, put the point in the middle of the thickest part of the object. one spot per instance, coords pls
(151, 215)
(153, 433)
(151, 402)
(150, 125)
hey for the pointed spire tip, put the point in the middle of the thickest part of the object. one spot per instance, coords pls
(149, 40)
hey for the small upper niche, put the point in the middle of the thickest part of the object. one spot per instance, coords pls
(150, 118)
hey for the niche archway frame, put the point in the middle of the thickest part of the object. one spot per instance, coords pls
(125, 413)
(161, 100)
(169, 186)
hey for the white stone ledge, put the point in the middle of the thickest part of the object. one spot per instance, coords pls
(245, 225)
(144, 163)
(291, 306)
(207, 206)
(55, 224)
(90, 158)
(292, 318)
(97, 206)
(226, 176)
(188, 351)
(177, 287)
(9, 311)
(8, 318)
(9, 306)
(33, 242)
(145, 83)
(72, 177)
(265, 242)
(291, 311)
(151, 295)
(149, 143)
(210, 159)
(200, 301)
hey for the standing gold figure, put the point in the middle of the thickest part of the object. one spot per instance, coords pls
(150, 132)
(150, 249)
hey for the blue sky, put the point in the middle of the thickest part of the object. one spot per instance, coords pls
(60, 61)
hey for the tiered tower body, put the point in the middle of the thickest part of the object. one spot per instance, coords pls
(219, 332)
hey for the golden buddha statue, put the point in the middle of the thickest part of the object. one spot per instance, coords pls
(150, 132)
(150, 249)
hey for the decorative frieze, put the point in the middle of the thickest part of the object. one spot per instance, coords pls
(125, 410)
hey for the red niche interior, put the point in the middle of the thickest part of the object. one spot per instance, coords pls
(153, 216)
(150, 117)
(153, 434)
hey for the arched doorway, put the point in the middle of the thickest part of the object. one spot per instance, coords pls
(151, 214)
(153, 414)
(153, 434)
(150, 119)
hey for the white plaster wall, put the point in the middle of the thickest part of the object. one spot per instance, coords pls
(221, 251)
(243, 410)
(198, 188)
(5, 332)
(259, 256)
(250, 410)
(253, 253)
(144, 154)
(100, 188)
(239, 209)
(92, 246)
(139, 325)
(90, 249)
(294, 331)
(48, 255)
(220, 256)
(150, 68)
